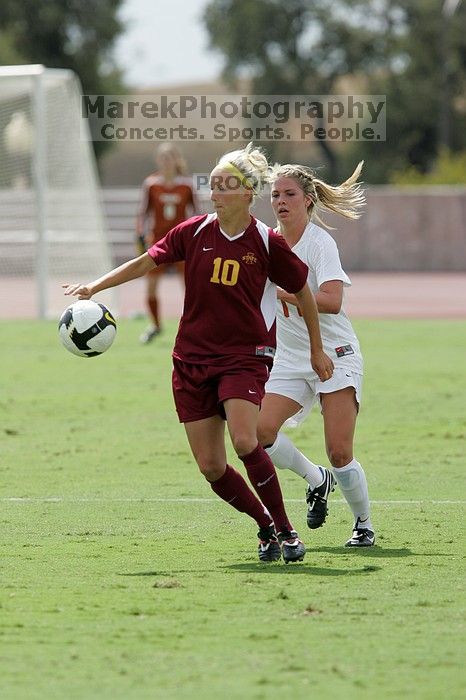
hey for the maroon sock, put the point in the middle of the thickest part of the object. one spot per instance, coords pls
(233, 489)
(153, 305)
(264, 478)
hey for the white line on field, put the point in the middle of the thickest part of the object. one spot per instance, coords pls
(103, 499)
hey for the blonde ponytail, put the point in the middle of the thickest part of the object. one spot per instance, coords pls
(346, 199)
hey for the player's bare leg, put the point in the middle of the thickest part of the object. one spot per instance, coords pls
(207, 441)
(152, 303)
(340, 412)
(242, 419)
(276, 409)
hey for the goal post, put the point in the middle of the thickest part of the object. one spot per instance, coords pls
(52, 228)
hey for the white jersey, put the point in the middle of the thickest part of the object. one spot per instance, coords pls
(319, 251)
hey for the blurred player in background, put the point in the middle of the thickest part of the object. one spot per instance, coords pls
(226, 338)
(294, 386)
(167, 200)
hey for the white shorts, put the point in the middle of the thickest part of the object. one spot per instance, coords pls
(306, 392)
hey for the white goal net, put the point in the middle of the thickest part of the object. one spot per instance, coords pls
(51, 222)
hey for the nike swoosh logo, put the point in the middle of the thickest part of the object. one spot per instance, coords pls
(110, 318)
(207, 249)
(263, 483)
(252, 392)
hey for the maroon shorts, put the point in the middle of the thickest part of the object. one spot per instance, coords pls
(200, 390)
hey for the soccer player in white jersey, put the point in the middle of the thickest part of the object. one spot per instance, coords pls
(293, 387)
(226, 339)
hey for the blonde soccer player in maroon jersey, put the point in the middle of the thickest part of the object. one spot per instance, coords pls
(167, 200)
(226, 338)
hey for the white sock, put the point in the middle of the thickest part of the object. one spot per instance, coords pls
(286, 456)
(353, 484)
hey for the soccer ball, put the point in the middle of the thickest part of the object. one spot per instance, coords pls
(86, 328)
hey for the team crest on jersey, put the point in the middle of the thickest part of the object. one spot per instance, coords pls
(249, 258)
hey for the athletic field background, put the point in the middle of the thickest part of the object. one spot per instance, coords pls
(372, 295)
(124, 577)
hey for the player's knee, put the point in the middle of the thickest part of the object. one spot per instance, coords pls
(339, 455)
(210, 467)
(244, 443)
(266, 433)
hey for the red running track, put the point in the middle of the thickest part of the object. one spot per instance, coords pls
(372, 295)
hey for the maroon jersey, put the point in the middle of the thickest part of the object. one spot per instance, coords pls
(230, 299)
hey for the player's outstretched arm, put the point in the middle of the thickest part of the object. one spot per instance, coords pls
(321, 363)
(124, 273)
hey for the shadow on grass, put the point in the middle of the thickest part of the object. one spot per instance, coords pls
(143, 573)
(307, 569)
(376, 552)
(299, 569)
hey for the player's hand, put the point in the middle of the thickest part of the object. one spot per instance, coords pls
(322, 365)
(288, 298)
(77, 290)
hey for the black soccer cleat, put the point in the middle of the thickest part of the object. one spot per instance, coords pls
(317, 500)
(292, 547)
(361, 537)
(269, 548)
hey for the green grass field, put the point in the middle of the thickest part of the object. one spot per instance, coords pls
(123, 577)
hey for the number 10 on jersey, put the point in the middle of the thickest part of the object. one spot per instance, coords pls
(225, 272)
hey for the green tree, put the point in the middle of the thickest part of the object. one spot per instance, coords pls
(392, 47)
(425, 83)
(284, 49)
(74, 34)
(450, 169)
